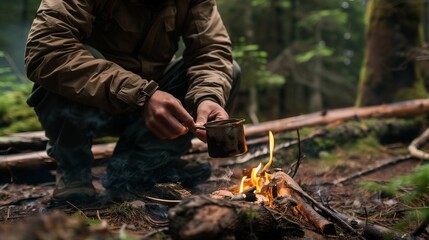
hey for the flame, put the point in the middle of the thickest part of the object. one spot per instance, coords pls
(242, 184)
(271, 138)
(259, 177)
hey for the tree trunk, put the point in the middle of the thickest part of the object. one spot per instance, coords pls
(389, 73)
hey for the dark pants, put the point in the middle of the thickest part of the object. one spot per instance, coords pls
(140, 159)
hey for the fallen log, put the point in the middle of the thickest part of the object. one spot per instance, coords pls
(40, 157)
(12, 143)
(201, 217)
(399, 109)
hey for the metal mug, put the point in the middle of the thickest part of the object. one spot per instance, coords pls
(225, 138)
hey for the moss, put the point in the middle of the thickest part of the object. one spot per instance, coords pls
(15, 114)
(27, 124)
(415, 92)
(369, 144)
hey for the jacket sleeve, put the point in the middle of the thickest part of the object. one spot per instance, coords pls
(208, 54)
(56, 59)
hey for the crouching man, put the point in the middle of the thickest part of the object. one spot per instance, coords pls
(107, 67)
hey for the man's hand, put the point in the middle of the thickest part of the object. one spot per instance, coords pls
(165, 116)
(208, 111)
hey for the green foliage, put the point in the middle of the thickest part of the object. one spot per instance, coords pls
(89, 221)
(15, 114)
(319, 51)
(259, 3)
(418, 90)
(418, 181)
(266, 3)
(334, 17)
(251, 58)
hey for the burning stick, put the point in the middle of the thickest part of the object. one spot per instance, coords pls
(286, 182)
(277, 184)
(248, 195)
(280, 187)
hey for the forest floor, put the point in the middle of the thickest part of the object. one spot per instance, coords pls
(25, 209)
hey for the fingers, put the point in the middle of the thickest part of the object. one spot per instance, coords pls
(165, 116)
(201, 134)
(165, 126)
(209, 111)
(184, 118)
(164, 131)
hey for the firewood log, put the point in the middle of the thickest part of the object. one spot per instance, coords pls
(206, 218)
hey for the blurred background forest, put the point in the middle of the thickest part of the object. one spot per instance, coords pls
(296, 56)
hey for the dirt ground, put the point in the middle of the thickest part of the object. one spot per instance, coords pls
(25, 201)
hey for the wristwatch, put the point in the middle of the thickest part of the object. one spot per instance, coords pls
(149, 89)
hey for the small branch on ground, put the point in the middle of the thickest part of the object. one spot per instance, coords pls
(371, 169)
(298, 161)
(418, 142)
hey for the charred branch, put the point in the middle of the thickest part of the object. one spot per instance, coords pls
(284, 186)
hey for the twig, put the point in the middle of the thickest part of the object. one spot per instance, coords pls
(161, 200)
(149, 234)
(74, 206)
(416, 143)
(8, 214)
(298, 161)
(407, 210)
(98, 215)
(21, 200)
(369, 170)
(247, 195)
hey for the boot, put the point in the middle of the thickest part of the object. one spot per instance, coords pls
(73, 186)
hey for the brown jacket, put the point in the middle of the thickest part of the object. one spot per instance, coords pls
(138, 39)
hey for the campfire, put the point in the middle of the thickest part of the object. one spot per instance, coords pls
(273, 199)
